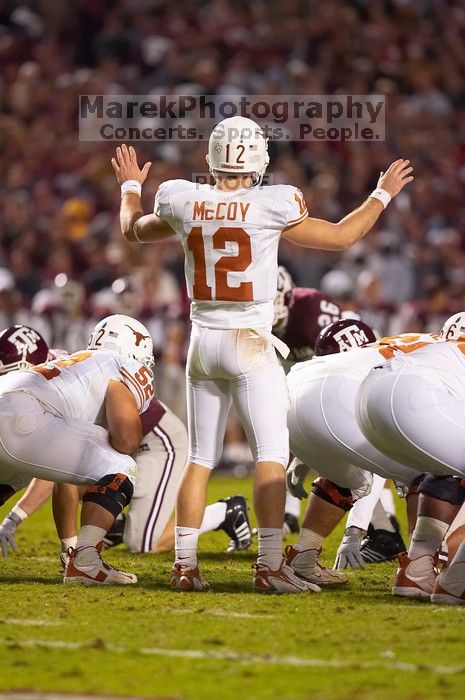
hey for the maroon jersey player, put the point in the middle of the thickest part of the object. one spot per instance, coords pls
(300, 315)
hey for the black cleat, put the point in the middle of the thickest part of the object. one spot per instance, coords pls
(382, 545)
(114, 536)
(236, 523)
(291, 524)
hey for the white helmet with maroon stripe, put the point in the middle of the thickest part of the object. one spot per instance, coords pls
(125, 336)
(454, 327)
(283, 300)
(238, 146)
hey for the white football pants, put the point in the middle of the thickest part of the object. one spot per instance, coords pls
(408, 414)
(235, 366)
(160, 461)
(324, 434)
(35, 442)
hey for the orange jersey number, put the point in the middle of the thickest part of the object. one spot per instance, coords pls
(145, 378)
(226, 264)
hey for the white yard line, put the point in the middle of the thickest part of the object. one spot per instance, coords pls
(242, 616)
(266, 659)
(55, 559)
(218, 612)
(38, 695)
(30, 623)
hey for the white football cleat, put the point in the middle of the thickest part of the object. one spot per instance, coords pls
(450, 585)
(306, 565)
(283, 580)
(85, 566)
(415, 578)
(185, 578)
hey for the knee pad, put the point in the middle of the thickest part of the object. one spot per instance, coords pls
(445, 488)
(332, 493)
(113, 492)
(414, 488)
(6, 492)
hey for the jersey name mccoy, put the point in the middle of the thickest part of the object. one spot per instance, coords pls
(75, 387)
(230, 242)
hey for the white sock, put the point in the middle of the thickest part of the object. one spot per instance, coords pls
(19, 512)
(379, 519)
(270, 542)
(186, 545)
(292, 505)
(427, 537)
(90, 536)
(67, 542)
(213, 517)
(308, 539)
(387, 501)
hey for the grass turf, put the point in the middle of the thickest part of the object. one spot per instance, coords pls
(356, 642)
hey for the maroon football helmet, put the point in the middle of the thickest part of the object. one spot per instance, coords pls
(21, 347)
(340, 336)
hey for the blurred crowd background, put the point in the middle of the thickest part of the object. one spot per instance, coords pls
(63, 263)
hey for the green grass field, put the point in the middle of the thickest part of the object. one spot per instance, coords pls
(356, 642)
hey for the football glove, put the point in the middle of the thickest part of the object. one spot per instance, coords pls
(401, 489)
(295, 477)
(7, 531)
(349, 554)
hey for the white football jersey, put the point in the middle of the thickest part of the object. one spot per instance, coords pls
(444, 361)
(230, 241)
(76, 386)
(359, 361)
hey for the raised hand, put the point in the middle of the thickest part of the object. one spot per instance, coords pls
(396, 177)
(126, 167)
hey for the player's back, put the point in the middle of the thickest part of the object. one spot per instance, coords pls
(443, 361)
(75, 387)
(230, 240)
(359, 361)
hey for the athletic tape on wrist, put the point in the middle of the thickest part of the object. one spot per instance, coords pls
(382, 196)
(131, 186)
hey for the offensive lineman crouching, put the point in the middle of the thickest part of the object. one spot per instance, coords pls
(48, 430)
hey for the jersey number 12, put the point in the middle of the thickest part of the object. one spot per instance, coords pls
(227, 263)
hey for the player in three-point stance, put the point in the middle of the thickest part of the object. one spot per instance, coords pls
(230, 233)
(48, 429)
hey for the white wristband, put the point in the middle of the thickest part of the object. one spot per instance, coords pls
(131, 186)
(381, 195)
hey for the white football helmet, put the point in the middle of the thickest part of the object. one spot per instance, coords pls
(454, 327)
(283, 300)
(124, 336)
(238, 146)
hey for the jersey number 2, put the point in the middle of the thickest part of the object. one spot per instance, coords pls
(227, 263)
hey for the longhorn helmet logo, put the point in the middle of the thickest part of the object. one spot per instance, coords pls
(138, 336)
